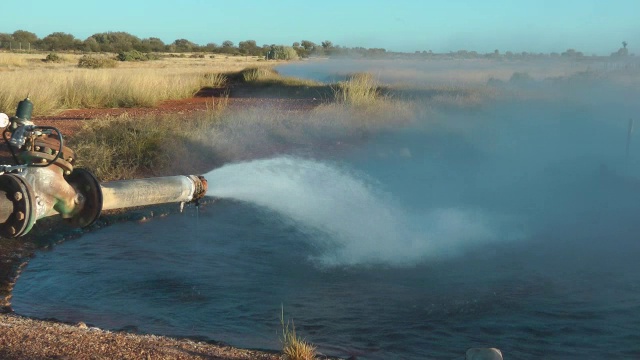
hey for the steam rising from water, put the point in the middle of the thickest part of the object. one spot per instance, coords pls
(346, 215)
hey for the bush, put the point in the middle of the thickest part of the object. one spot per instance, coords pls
(53, 57)
(135, 55)
(96, 62)
(278, 52)
(521, 78)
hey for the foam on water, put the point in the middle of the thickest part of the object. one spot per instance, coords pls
(353, 220)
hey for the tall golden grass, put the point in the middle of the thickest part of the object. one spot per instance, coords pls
(52, 90)
(56, 86)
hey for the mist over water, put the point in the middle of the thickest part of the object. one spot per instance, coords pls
(349, 218)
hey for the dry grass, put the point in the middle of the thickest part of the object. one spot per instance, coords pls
(293, 347)
(269, 76)
(124, 147)
(358, 89)
(52, 90)
(57, 86)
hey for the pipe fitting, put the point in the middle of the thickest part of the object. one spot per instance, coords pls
(17, 206)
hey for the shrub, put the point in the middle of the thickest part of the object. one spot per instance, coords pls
(521, 78)
(278, 52)
(53, 57)
(96, 62)
(135, 55)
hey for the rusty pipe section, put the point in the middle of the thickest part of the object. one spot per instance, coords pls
(151, 191)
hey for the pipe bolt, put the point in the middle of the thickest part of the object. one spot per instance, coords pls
(12, 230)
(43, 161)
(20, 215)
(17, 196)
(36, 148)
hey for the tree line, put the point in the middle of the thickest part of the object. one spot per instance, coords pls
(119, 41)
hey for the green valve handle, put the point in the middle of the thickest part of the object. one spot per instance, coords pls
(25, 108)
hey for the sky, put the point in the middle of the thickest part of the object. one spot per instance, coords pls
(590, 26)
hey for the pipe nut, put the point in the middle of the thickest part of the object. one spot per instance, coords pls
(17, 196)
(20, 216)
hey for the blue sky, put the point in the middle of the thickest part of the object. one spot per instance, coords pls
(594, 27)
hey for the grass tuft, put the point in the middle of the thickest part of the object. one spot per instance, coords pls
(259, 74)
(293, 347)
(358, 89)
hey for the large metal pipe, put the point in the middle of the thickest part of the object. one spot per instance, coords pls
(142, 192)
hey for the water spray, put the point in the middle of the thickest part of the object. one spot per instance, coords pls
(43, 181)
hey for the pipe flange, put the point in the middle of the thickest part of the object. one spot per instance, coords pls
(201, 187)
(23, 217)
(88, 186)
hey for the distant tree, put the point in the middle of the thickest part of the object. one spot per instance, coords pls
(152, 44)
(624, 44)
(327, 45)
(212, 47)
(91, 45)
(117, 41)
(61, 41)
(184, 45)
(249, 47)
(308, 45)
(572, 53)
(296, 44)
(5, 40)
(22, 36)
(228, 47)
